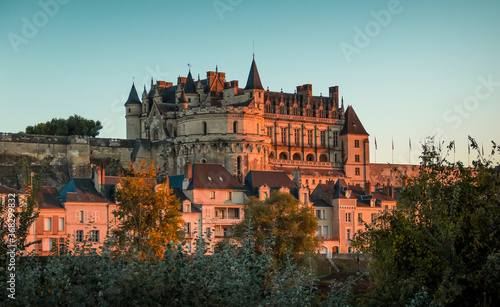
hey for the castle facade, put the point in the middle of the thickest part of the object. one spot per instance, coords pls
(213, 120)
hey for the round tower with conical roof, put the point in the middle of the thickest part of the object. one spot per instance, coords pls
(133, 109)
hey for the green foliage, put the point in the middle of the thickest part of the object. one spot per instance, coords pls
(74, 125)
(442, 244)
(236, 275)
(283, 219)
(150, 216)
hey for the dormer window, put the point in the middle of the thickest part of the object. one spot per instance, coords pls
(221, 179)
(209, 178)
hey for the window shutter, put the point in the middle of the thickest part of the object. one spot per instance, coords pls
(97, 217)
(55, 224)
(76, 217)
(85, 216)
(45, 245)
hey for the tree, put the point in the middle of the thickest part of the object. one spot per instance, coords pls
(281, 218)
(74, 125)
(443, 242)
(23, 213)
(149, 214)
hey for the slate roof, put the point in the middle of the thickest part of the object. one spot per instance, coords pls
(133, 98)
(253, 81)
(189, 87)
(212, 176)
(7, 190)
(317, 202)
(175, 181)
(273, 179)
(81, 190)
(49, 198)
(352, 124)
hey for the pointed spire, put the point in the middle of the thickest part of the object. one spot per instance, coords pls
(352, 124)
(133, 98)
(152, 81)
(144, 93)
(189, 86)
(182, 98)
(253, 82)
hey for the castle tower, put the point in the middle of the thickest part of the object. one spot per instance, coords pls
(355, 149)
(192, 96)
(133, 109)
(254, 86)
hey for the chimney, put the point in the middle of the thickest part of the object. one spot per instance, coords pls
(97, 178)
(368, 188)
(296, 177)
(188, 174)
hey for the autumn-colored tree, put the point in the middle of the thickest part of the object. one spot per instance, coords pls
(442, 245)
(149, 214)
(282, 220)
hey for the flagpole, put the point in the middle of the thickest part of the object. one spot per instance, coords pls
(375, 149)
(392, 150)
(468, 154)
(409, 151)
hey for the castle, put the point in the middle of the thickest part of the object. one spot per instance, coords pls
(213, 120)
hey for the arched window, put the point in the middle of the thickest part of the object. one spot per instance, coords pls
(283, 156)
(204, 128)
(155, 134)
(310, 157)
(296, 156)
(271, 155)
(323, 158)
(238, 165)
(235, 127)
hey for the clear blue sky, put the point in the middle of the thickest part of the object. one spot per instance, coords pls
(423, 67)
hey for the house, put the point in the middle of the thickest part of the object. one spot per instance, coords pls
(89, 209)
(351, 208)
(211, 189)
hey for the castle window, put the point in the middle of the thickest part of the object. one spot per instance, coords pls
(229, 195)
(310, 157)
(297, 137)
(238, 165)
(310, 137)
(283, 156)
(283, 136)
(323, 138)
(356, 158)
(335, 139)
(357, 171)
(296, 156)
(155, 135)
(356, 143)
(269, 131)
(235, 127)
(189, 99)
(204, 128)
(348, 217)
(323, 158)
(212, 194)
(129, 110)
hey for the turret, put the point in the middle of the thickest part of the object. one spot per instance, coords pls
(133, 109)
(356, 154)
(254, 86)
